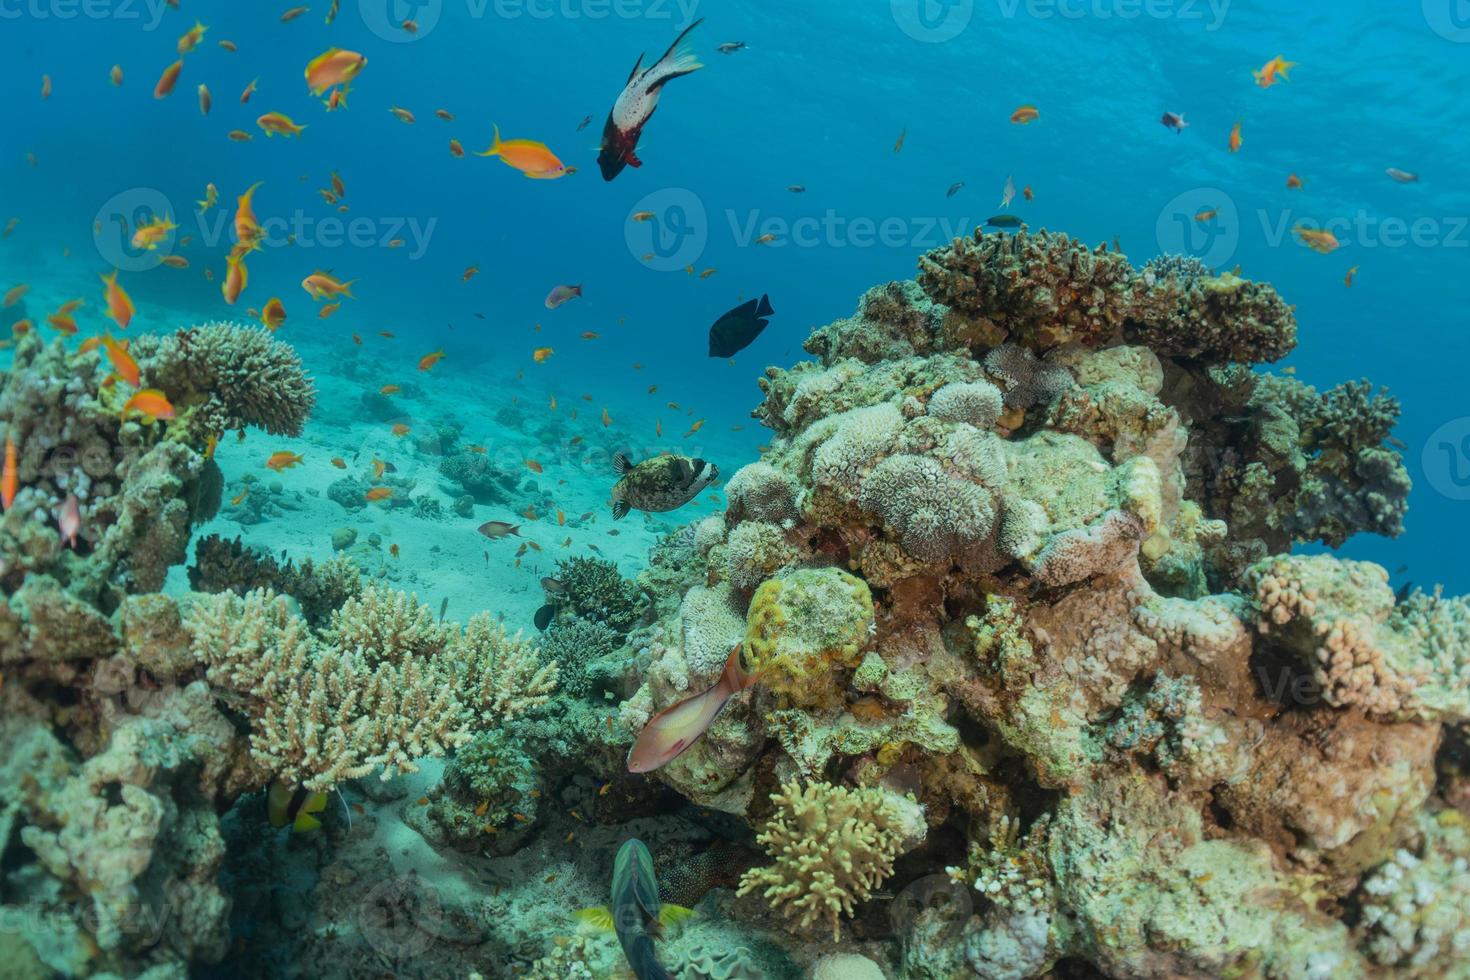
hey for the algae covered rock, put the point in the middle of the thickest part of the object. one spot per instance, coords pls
(806, 631)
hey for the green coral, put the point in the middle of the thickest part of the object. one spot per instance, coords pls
(575, 644)
(594, 589)
(806, 629)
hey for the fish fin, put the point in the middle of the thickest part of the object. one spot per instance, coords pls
(277, 803)
(620, 463)
(494, 150)
(637, 66)
(305, 823)
(597, 918)
(674, 61)
(620, 509)
(765, 307)
(672, 915)
(632, 159)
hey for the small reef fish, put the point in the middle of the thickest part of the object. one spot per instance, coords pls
(168, 80)
(205, 100)
(541, 354)
(295, 808)
(1402, 176)
(660, 484)
(738, 329)
(531, 158)
(730, 47)
(955, 188)
(636, 103)
(237, 276)
(148, 234)
(499, 529)
(402, 115)
(634, 913)
(797, 188)
(1003, 221)
(191, 38)
(1025, 115)
(249, 91)
(470, 273)
(378, 493)
(283, 460)
(293, 13)
(1008, 193)
(150, 402)
(328, 310)
(586, 121)
(898, 144)
(69, 520)
(339, 462)
(561, 294)
(1026, 193)
(1174, 121)
(211, 198)
(428, 361)
(1318, 240)
(1294, 183)
(389, 390)
(1347, 280)
(642, 216)
(9, 476)
(229, 46)
(116, 75)
(62, 323)
(1207, 214)
(247, 227)
(1278, 68)
(1235, 140)
(444, 114)
(122, 362)
(323, 285)
(119, 303)
(239, 136)
(14, 296)
(456, 149)
(274, 313)
(333, 67)
(400, 430)
(673, 730)
(278, 122)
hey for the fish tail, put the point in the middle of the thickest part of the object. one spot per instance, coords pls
(765, 307)
(347, 289)
(641, 957)
(676, 60)
(494, 150)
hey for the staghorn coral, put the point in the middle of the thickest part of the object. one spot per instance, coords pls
(381, 687)
(832, 846)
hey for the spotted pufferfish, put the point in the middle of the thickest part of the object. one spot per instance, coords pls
(660, 484)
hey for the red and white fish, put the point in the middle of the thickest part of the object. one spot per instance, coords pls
(70, 520)
(635, 105)
(673, 730)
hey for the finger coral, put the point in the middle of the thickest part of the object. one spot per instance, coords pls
(832, 847)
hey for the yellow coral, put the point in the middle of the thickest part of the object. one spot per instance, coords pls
(804, 629)
(832, 846)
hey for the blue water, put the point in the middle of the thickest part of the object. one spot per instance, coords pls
(818, 99)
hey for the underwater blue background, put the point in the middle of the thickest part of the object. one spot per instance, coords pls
(819, 99)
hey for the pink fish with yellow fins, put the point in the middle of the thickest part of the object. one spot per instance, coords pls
(278, 122)
(673, 730)
(636, 103)
(333, 67)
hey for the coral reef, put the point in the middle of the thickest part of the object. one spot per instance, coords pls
(229, 566)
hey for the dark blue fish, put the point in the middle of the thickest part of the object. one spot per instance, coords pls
(1003, 221)
(737, 330)
(635, 913)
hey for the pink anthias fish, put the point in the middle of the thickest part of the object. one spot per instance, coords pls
(561, 294)
(674, 729)
(70, 520)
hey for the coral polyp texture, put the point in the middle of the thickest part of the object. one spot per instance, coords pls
(1037, 686)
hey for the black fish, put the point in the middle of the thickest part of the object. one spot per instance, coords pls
(737, 330)
(1003, 221)
(954, 188)
(544, 616)
(583, 124)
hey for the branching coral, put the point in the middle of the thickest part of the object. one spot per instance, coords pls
(594, 589)
(832, 846)
(229, 566)
(382, 687)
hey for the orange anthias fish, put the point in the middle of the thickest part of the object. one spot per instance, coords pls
(150, 402)
(531, 158)
(322, 285)
(1293, 183)
(249, 91)
(13, 296)
(283, 460)
(1271, 71)
(168, 80)
(205, 100)
(402, 115)
(1347, 280)
(1319, 240)
(62, 323)
(191, 39)
(119, 303)
(429, 360)
(540, 354)
(69, 520)
(278, 122)
(636, 103)
(236, 278)
(456, 149)
(399, 429)
(274, 313)
(9, 477)
(378, 493)
(673, 730)
(333, 67)
(1235, 140)
(149, 234)
(116, 75)
(247, 227)
(122, 362)
(1025, 115)
(390, 389)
